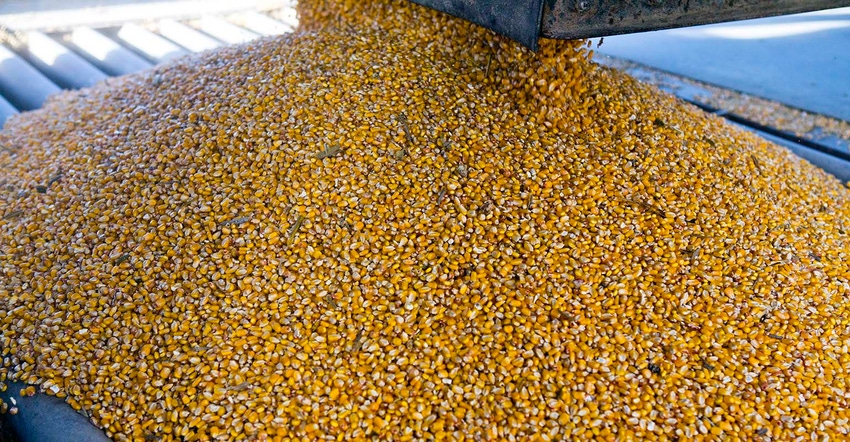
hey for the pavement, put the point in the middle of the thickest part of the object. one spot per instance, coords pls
(801, 60)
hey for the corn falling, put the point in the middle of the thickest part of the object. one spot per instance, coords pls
(393, 225)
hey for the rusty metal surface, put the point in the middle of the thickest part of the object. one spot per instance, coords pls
(516, 19)
(567, 19)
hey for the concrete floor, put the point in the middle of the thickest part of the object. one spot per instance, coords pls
(801, 60)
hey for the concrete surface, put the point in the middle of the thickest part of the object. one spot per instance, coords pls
(801, 60)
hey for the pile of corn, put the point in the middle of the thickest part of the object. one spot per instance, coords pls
(395, 225)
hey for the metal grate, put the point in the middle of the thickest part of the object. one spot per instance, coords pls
(42, 53)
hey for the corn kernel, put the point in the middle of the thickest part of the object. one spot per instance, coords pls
(393, 224)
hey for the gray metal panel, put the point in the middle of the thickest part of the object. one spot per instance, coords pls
(516, 19)
(61, 64)
(830, 164)
(802, 60)
(24, 86)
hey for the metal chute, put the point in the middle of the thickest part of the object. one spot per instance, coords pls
(527, 20)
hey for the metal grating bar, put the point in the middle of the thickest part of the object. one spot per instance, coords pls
(189, 38)
(23, 85)
(155, 47)
(107, 14)
(224, 30)
(287, 16)
(263, 24)
(52, 50)
(6, 110)
(106, 54)
(59, 63)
